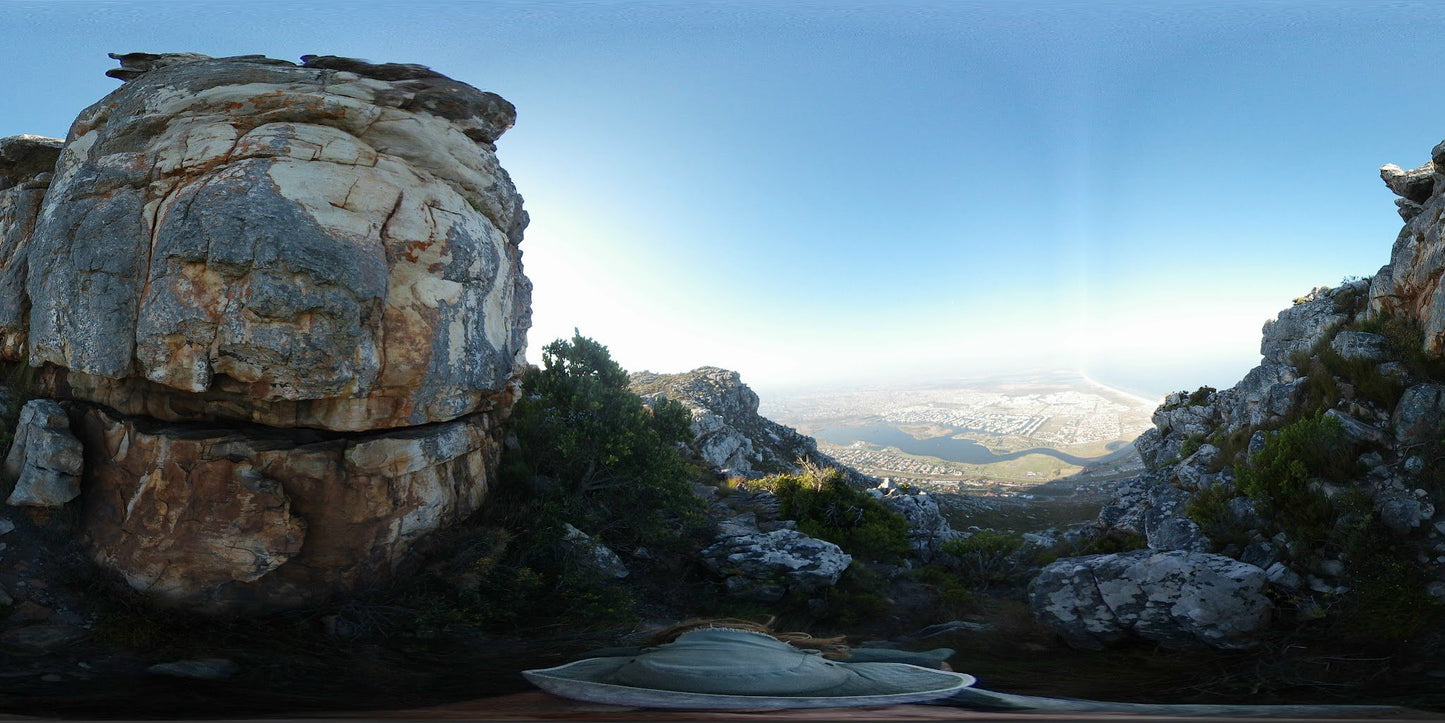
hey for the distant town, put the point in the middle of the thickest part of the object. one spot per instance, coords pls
(1089, 425)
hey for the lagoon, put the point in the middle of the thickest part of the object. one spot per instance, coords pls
(947, 447)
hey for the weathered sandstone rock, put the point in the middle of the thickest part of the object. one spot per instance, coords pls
(331, 245)
(228, 519)
(44, 461)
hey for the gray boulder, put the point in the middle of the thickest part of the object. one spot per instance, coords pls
(1403, 511)
(593, 554)
(45, 460)
(1303, 325)
(1419, 414)
(1265, 395)
(1359, 346)
(1150, 446)
(928, 529)
(764, 566)
(1177, 599)
(1414, 185)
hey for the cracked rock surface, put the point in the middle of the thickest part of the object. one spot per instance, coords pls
(248, 239)
(284, 306)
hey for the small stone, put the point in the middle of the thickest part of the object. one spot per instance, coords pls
(1279, 574)
(1415, 464)
(202, 669)
(6, 526)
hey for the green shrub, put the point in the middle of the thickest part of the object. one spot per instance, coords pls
(1200, 395)
(1279, 477)
(826, 507)
(589, 452)
(1210, 510)
(987, 557)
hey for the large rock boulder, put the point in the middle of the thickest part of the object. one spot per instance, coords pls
(227, 520)
(765, 566)
(287, 306)
(1177, 599)
(329, 245)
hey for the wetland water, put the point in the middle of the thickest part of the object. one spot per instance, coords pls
(946, 447)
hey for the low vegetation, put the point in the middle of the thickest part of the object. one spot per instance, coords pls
(825, 506)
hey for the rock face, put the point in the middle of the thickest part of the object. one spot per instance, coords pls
(45, 458)
(730, 434)
(218, 518)
(26, 166)
(1410, 284)
(248, 239)
(1177, 599)
(298, 293)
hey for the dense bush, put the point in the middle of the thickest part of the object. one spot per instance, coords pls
(826, 507)
(584, 451)
(1280, 476)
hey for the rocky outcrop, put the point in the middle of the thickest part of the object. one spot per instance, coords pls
(287, 306)
(729, 433)
(1409, 285)
(1317, 461)
(928, 530)
(1313, 315)
(1177, 599)
(298, 246)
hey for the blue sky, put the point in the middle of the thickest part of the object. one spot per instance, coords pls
(883, 192)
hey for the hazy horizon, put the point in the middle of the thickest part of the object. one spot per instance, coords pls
(815, 193)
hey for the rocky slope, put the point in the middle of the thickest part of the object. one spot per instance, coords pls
(730, 434)
(284, 309)
(1314, 481)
